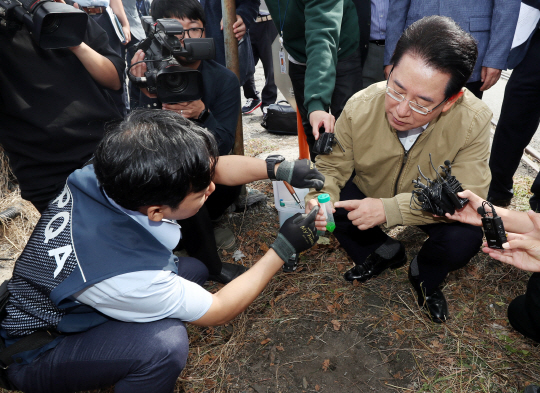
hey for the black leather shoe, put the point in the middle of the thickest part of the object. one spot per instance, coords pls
(229, 271)
(375, 264)
(500, 202)
(434, 304)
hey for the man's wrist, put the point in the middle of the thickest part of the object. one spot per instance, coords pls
(271, 162)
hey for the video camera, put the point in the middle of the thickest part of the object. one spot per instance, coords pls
(438, 196)
(165, 77)
(52, 25)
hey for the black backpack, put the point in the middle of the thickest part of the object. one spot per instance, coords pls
(280, 118)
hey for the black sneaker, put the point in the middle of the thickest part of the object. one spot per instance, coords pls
(291, 265)
(251, 105)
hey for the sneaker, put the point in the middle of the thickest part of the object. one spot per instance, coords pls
(291, 265)
(225, 239)
(251, 105)
(251, 197)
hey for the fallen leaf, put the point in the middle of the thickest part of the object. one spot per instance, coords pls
(326, 364)
(237, 255)
(323, 240)
(317, 388)
(400, 332)
(340, 267)
(265, 341)
(280, 348)
(337, 324)
(315, 296)
(331, 309)
(263, 246)
(395, 317)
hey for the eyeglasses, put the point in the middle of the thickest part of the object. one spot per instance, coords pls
(195, 32)
(413, 105)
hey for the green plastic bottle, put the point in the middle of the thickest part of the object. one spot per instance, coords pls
(326, 206)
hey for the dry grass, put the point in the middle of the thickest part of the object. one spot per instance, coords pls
(475, 351)
(17, 230)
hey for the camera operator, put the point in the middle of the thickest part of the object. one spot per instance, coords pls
(53, 107)
(217, 111)
(389, 129)
(522, 250)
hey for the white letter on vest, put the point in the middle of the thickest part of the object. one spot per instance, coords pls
(50, 233)
(60, 199)
(61, 254)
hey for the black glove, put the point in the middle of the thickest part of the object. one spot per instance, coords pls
(297, 234)
(300, 174)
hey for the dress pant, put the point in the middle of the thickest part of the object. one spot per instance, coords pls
(135, 357)
(520, 117)
(474, 87)
(524, 311)
(262, 34)
(198, 232)
(373, 70)
(448, 248)
(348, 82)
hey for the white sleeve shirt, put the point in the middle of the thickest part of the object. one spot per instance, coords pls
(148, 295)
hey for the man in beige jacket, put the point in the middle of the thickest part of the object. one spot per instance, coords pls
(390, 128)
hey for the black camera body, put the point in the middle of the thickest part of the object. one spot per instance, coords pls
(325, 143)
(165, 76)
(493, 226)
(52, 25)
(438, 196)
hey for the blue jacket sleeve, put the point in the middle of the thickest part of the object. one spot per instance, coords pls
(503, 26)
(395, 25)
(248, 10)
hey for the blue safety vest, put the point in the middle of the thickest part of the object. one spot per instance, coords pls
(80, 240)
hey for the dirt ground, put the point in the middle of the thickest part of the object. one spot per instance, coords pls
(311, 331)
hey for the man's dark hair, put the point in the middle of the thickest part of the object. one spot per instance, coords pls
(190, 9)
(155, 157)
(442, 45)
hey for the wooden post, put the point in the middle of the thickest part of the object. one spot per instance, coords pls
(231, 58)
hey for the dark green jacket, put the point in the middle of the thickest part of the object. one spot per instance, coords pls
(318, 33)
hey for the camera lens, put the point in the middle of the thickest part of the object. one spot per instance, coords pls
(50, 24)
(175, 82)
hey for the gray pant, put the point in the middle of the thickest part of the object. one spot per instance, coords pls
(373, 71)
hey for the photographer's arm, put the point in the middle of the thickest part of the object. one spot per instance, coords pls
(100, 68)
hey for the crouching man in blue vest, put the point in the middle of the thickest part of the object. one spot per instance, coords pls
(98, 271)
